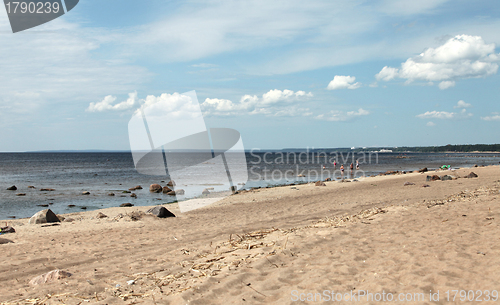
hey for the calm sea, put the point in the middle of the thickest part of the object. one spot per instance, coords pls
(70, 174)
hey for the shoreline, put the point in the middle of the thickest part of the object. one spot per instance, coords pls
(266, 185)
(275, 231)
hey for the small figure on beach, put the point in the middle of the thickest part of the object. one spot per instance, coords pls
(334, 164)
(351, 166)
(357, 164)
(342, 168)
(324, 167)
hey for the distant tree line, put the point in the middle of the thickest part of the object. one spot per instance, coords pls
(450, 148)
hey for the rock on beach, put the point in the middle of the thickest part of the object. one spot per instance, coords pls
(44, 216)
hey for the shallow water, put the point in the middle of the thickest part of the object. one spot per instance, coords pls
(70, 174)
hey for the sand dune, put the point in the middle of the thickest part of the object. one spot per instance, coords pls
(273, 246)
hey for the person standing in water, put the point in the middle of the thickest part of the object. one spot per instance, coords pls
(357, 164)
(351, 166)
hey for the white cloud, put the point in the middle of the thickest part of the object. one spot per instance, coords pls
(387, 74)
(107, 103)
(494, 117)
(340, 116)
(444, 115)
(430, 124)
(462, 56)
(462, 104)
(446, 84)
(343, 82)
(273, 103)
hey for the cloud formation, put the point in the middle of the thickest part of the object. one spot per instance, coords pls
(444, 115)
(107, 103)
(495, 116)
(343, 82)
(462, 104)
(340, 116)
(460, 57)
(271, 103)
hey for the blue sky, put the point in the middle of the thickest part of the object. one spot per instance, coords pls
(283, 73)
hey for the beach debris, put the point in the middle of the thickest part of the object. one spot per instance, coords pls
(138, 187)
(408, 183)
(47, 190)
(71, 205)
(155, 188)
(479, 252)
(425, 185)
(44, 216)
(111, 194)
(50, 277)
(131, 282)
(205, 192)
(319, 183)
(133, 195)
(21, 194)
(166, 189)
(391, 172)
(7, 229)
(301, 175)
(433, 178)
(31, 187)
(160, 212)
(85, 193)
(171, 183)
(423, 170)
(471, 175)
(136, 215)
(68, 220)
(126, 192)
(12, 188)
(128, 204)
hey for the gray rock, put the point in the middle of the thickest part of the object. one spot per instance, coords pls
(12, 188)
(446, 177)
(85, 193)
(44, 216)
(471, 175)
(320, 183)
(160, 212)
(171, 183)
(100, 215)
(166, 189)
(205, 192)
(124, 205)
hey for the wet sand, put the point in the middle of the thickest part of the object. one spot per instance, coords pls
(272, 245)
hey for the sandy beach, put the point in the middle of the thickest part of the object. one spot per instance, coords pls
(274, 246)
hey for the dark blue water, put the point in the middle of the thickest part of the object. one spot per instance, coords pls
(70, 174)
